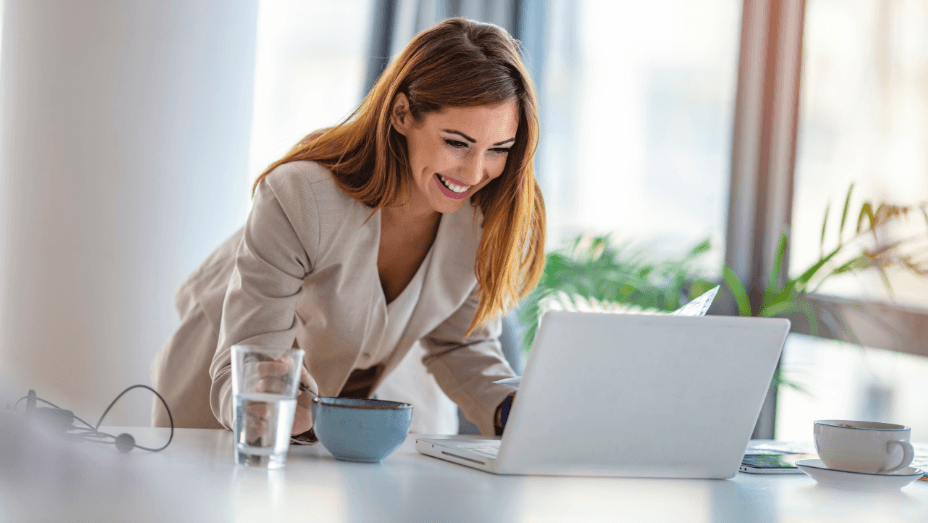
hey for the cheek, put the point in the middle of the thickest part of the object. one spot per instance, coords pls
(444, 160)
(421, 155)
(433, 158)
(498, 167)
(495, 173)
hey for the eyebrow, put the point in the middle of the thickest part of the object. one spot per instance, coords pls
(471, 140)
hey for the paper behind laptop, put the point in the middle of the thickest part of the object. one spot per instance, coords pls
(697, 307)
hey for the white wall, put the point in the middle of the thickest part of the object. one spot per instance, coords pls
(124, 134)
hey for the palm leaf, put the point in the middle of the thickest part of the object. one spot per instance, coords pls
(777, 266)
(853, 265)
(737, 290)
(596, 270)
(800, 283)
(821, 243)
(866, 211)
(789, 306)
(885, 277)
(781, 381)
(847, 205)
(700, 248)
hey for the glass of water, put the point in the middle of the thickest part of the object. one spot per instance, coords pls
(264, 388)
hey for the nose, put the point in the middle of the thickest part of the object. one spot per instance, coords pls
(473, 170)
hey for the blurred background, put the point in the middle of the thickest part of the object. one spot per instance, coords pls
(132, 131)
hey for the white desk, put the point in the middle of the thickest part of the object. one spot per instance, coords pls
(195, 480)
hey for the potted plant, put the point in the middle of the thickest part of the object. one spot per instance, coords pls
(849, 254)
(592, 273)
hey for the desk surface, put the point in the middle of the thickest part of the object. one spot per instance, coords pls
(195, 480)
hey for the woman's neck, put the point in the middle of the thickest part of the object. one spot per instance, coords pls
(411, 214)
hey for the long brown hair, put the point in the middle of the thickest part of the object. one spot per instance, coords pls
(456, 63)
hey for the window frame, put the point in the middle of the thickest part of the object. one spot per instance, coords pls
(767, 113)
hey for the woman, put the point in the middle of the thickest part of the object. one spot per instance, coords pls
(416, 219)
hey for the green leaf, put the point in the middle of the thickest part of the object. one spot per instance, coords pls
(593, 269)
(847, 204)
(867, 211)
(854, 264)
(794, 305)
(821, 244)
(800, 283)
(701, 248)
(777, 265)
(781, 381)
(737, 290)
(885, 278)
(698, 288)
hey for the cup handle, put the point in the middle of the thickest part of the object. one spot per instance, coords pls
(908, 454)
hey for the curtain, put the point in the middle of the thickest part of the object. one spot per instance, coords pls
(396, 22)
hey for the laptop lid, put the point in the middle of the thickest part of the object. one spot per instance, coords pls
(641, 396)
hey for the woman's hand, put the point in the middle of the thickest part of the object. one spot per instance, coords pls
(271, 377)
(302, 419)
(502, 414)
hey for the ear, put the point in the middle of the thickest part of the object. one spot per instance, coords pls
(400, 116)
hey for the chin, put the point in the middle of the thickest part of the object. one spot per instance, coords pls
(450, 207)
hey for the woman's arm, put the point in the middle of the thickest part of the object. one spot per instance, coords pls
(466, 366)
(275, 255)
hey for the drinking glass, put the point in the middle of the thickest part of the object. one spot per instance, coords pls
(264, 387)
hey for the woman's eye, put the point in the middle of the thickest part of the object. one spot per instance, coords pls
(456, 144)
(501, 150)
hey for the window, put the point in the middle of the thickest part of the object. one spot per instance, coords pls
(846, 381)
(864, 119)
(309, 71)
(637, 101)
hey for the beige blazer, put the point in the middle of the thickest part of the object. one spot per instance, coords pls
(303, 271)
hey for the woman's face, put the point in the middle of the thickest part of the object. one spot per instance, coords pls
(456, 152)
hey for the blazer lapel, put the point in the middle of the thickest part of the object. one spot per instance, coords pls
(363, 305)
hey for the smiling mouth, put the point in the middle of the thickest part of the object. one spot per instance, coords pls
(449, 189)
(454, 187)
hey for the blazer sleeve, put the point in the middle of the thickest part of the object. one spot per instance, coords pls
(465, 367)
(276, 253)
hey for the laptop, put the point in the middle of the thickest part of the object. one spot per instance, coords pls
(631, 396)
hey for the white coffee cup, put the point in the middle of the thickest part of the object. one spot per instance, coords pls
(863, 446)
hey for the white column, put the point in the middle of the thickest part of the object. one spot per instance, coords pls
(124, 130)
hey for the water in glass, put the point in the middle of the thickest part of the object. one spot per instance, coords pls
(262, 429)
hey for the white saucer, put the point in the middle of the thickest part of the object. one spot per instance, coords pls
(857, 480)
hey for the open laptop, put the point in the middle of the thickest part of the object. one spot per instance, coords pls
(631, 395)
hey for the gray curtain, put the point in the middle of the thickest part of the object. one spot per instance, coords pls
(396, 22)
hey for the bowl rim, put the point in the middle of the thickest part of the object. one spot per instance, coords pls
(393, 405)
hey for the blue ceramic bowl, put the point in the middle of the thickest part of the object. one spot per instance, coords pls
(363, 430)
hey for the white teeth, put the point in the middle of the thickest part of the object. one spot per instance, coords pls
(453, 187)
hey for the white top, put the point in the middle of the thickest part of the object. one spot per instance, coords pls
(195, 479)
(399, 311)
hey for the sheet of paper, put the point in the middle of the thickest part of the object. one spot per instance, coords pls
(697, 307)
